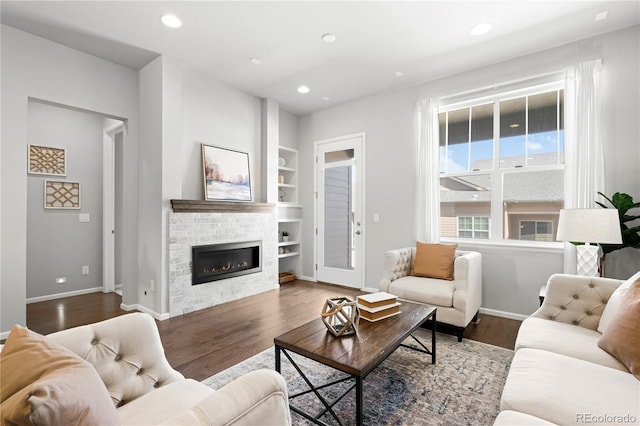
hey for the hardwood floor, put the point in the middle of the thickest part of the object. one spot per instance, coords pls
(208, 341)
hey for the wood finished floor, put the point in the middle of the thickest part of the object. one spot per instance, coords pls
(208, 341)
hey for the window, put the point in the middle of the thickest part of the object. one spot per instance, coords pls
(502, 166)
(473, 227)
(536, 230)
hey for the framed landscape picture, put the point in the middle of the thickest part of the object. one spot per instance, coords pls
(226, 174)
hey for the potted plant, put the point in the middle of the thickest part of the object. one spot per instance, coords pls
(285, 236)
(630, 235)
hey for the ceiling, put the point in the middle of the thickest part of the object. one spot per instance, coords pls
(374, 40)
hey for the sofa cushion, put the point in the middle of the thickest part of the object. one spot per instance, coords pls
(565, 339)
(511, 418)
(569, 391)
(614, 302)
(43, 383)
(622, 336)
(156, 407)
(434, 260)
(430, 291)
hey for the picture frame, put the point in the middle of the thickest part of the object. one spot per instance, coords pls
(225, 174)
(62, 195)
(46, 160)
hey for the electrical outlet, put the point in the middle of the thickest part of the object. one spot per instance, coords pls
(85, 270)
(152, 285)
(61, 280)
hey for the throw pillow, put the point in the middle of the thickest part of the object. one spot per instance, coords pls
(622, 336)
(43, 383)
(434, 260)
(614, 302)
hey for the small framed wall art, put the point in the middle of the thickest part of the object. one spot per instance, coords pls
(46, 160)
(61, 195)
(226, 174)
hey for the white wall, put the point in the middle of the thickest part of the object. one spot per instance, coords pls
(216, 114)
(58, 245)
(35, 67)
(388, 120)
(288, 129)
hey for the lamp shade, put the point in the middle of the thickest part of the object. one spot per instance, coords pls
(589, 226)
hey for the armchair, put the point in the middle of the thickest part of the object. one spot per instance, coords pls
(458, 301)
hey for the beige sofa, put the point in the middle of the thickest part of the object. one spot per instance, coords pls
(127, 353)
(458, 301)
(559, 375)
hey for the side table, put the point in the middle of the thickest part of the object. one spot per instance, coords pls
(543, 293)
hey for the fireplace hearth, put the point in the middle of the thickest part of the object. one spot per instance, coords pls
(215, 262)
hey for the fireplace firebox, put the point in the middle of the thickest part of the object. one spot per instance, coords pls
(220, 261)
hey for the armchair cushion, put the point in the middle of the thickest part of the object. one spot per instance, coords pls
(429, 291)
(43, 383)
(434, 260)
(622, 336)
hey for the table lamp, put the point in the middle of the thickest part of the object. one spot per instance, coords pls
(589, 226)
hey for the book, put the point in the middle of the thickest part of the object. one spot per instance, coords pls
(381, 314)
(378, 308)
(375, 300)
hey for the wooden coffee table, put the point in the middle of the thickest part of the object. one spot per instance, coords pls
(356, 355)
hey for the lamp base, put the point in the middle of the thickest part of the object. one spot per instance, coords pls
(588, 260)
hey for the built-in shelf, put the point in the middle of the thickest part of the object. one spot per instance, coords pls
(290, 254)
(288, 210)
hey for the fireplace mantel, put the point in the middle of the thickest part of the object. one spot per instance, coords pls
(200, 206)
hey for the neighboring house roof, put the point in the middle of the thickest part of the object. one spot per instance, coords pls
(521, 186)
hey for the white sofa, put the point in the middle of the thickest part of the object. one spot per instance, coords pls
(559, 375)
(458, 301)
(128, 355)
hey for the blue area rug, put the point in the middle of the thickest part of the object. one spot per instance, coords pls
(462, 388)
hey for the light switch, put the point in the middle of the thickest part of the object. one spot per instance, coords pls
(376, 217)
(84, 217)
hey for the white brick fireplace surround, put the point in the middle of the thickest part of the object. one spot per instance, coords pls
(189, 228)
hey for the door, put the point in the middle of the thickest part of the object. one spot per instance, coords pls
(339, 211)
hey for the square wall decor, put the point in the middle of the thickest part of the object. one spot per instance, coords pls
(61, 195)
(46, 160)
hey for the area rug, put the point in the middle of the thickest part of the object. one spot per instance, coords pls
(462, 388)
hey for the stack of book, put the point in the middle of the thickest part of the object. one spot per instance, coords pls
(377, 306)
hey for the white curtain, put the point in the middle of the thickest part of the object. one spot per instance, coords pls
(428, 167)
(584, 171)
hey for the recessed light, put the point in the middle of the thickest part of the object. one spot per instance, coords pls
(303, 89)
(480, 29)
(398, 74)
(602, 15)
(171, 21)
(328, 37)
(326, 98)
(255, 61)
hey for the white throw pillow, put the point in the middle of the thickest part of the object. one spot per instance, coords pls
(614, 302)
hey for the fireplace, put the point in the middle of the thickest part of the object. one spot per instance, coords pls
(220, 261)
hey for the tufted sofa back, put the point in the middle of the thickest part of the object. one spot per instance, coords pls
(127, 353)
(576, 300)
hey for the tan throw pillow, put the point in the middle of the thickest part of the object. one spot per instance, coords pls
(43, 383)
(434, 260)
(622, 336)
(614, 302)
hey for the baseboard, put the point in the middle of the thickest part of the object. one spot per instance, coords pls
(302, 277)
(503, 314)
(63, 295)
(370, 290)
(138, 307)
(4, 335)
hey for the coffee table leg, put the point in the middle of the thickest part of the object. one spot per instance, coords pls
(277, 358)
(359, 401)
(433, 339)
